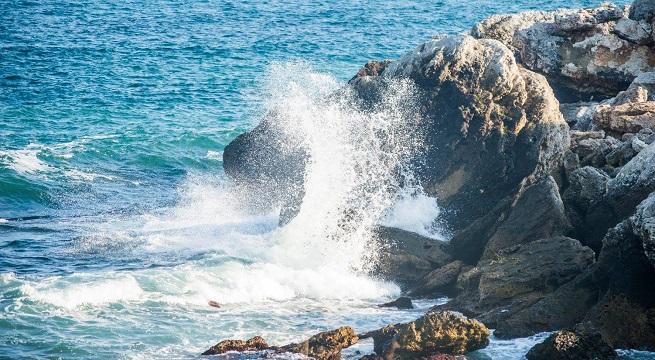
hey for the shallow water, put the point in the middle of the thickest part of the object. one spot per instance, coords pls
(116, 223)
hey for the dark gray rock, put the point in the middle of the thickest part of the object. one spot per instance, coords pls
(642, 10)
(438, 282)
(402, 302)
(406, 257)
(643, 225)
(575, 344)
(586, 185)
(518, 277)
(615, 295)
(537, 212)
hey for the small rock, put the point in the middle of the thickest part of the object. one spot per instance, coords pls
(626, 118)
(434, 333)
(572, 345)
(253, 344)
(402, 302)
(326, 345)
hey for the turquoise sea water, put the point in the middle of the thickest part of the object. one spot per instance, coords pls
(116, 227)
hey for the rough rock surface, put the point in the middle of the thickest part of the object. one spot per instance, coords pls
(537, 212)
(440, 281)
(519, 276)
(406, 256)
(642, 10)
(626, 118)
(434, 333)
(323, 346)
(253, 344)
(613, 295)
(643, 224)
(575, 344)
(580, 51)
(488, 123)
(326, 345)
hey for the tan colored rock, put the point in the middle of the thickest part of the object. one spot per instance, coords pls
(626, 118)
(326, 345)
(256, 343)
(444, 332)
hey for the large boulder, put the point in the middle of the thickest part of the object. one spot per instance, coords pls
(581, 52)
(255, 343)
(442, 332)
(575, 344)
(488, 123)
(642, 10)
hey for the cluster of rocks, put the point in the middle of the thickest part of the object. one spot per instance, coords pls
(436, 335)
(540, 146)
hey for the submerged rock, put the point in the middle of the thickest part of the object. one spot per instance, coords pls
(575, 344)
(402, 302)
(432, 334)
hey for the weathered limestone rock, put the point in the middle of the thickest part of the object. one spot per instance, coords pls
(443, 332)
(626, 118)
(326, 345)
(593, 151)
(253, 344)
(580, 51)
(323, 346)
(586, 185)
(574, 344)
(614, 295)
(540, 266)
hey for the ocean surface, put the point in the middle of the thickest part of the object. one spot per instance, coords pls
(117, 224)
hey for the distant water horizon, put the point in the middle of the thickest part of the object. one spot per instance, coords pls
(117, 223)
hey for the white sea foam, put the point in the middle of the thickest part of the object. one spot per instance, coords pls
(24, 161)
(79, 291)
(214, 155)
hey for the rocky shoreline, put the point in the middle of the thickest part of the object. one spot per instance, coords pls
(540, 144)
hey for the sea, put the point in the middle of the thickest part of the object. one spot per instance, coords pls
(117, 222)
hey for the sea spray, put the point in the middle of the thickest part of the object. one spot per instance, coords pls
(355, 163)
